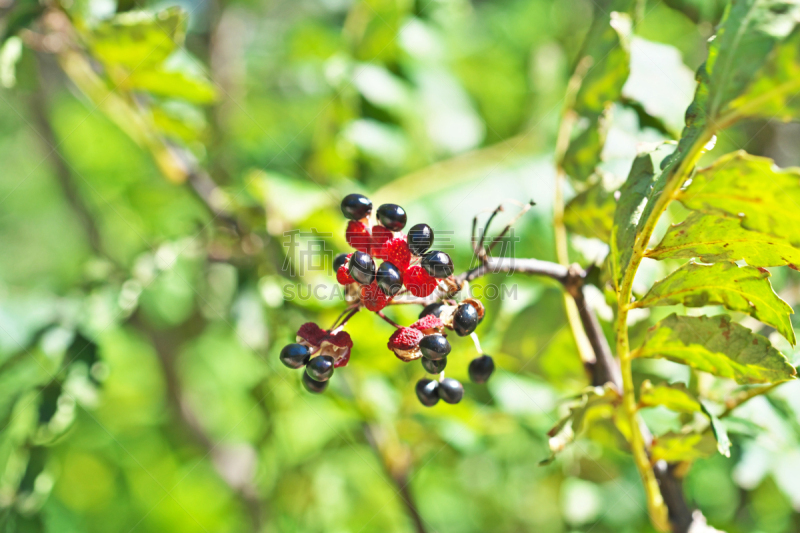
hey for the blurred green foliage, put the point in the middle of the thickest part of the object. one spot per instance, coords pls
(140, 387)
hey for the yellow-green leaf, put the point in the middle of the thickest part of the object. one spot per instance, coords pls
(677, 447)
(591, 212)
(583, 152)
(173, 84)
(674, 397)
(139, 38)
(766, 198)
(719, 431)
(717, 346)
(746, 289)
(712, 238)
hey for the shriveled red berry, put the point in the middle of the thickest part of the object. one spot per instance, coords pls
(311, 333)
(404, 342)
(373, 297)
(428, 324)
(343, 277)
(397, 253)
(380, 236)
(358, 236)
(418, 282)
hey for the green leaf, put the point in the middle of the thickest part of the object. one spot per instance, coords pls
(677, 447)
(674, 397)
(773, 91)
(720, 432)
(747, 36)
(593, 403)
(645, 182)
(591, 212)
(717, 346)
(606, 52)
(713, 238)
(139, 38)
(764, 197)
(173, 84)
(583, 152)
(746, 289)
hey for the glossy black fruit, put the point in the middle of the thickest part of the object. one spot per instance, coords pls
(432, 309)
(451, 390)
(338, 261)
(437, 264)
(428, 392)
(295, 355)
(313, 385)
(481, 368)
(356, 206)
(392, 216)
(320, 368)
(434, 347)
(465, 320)
(389, 278)
(433, 367)
(420, 238)
(362, 268)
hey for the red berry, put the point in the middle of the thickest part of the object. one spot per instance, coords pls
(358, 236)
(418, 282)
(311, 333)
(343, 277)
(380, 236)
(397, 253)
(428, 324)
(373, 297)
(405, 339)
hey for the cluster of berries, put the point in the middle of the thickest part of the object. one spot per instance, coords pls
(407, 262)
(400, 254)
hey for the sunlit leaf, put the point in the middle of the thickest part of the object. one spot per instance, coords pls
(712, 238)
(645, 182)
(746, 289)
(583, 152)
(765, 197)
(139, 38)
(676, 447)
(675, 397)
(173, 84)
(717, 346)
(720, 432)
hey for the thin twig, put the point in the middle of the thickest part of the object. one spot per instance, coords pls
(389, 320)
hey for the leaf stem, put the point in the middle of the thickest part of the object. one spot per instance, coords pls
(676, 178)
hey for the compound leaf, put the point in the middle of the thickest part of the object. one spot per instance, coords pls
(746, 289)
(674, 397)
(766, 198)
(717, 346)
(712, 238)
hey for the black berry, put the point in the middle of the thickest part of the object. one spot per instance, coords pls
(392, 216)
(320, 368)
(481, 368)
(420, 238)
(465, 320)
(362, 268)
(432, 309)
(451, 390)
(434, 347)
(437, 264)
(295, 355)
(356, 206)
(313, 385)
(338, 261)
(389, 278)
(428, 392)
(433, 367)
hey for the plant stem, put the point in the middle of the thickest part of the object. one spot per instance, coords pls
(655, 501)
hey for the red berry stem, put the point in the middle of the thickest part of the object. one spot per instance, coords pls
(341, 315)
(341, 326)
(389, 320)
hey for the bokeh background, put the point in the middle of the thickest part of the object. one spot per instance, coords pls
(140, 387)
